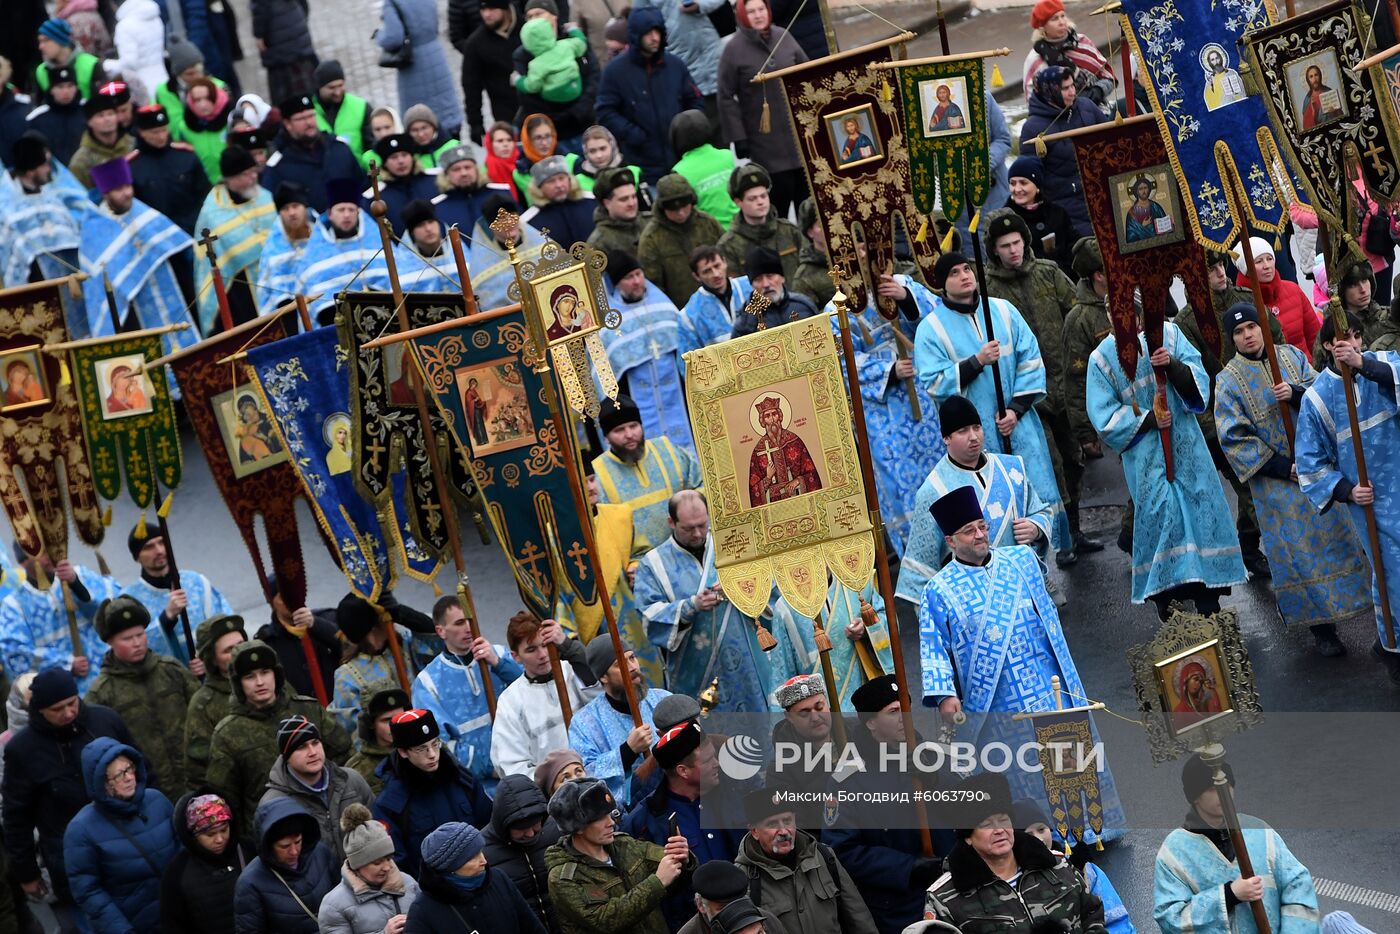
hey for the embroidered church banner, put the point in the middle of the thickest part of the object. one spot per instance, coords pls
(945, 119)
(1138, 216)
(856, 154)
(304, 382)
(246, 456)
(1330, 117)
(480, 375)
(1076, 804)
(128, 417)
(778, 456)
(40, 428)
(387, 434)
(1210, 123)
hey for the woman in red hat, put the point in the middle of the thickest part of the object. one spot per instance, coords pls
(1055, 41)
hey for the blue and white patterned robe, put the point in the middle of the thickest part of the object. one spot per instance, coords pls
(204, 601)
(1319, 572)
(34, 628)
(357, 673)
(242, 230)
(1183, 532)
(643, 351)
(35, 225)
(1324, 457)
(1188, 894)
(1005, 494)
(418, 273)
(902, 450)
(991, 636)
(706, 319)
(944, 338)
(451, 688)
(701, 645)
(598, 731)
(331, 265)
(647, 486)
(134, 250)
(491, 271)
(277, 268)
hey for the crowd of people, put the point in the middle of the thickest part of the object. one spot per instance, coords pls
(154, 782)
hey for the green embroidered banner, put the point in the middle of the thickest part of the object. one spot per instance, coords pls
(945, 121)
(128, 416)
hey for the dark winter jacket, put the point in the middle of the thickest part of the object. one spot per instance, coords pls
(346, 787)
(151, 696)
(282, 25)
(172, 181)
(63, 127)
(640, 95)
(13, 113)
(244, 744)
(623, 894)
(496, 906)
(1059, 177)
(741, 101)
(263, 903)
(1052, 233)
(325, 638)
(486, 67)
(115, 851)
(665, 248)
(971, 897)
(462, 206)
(568, 222)
(414, 803)
(572, 118)
(777, 233)
(396, 193)
(196, 892)
(44, 788)
(311, 167)
(791, 307)
(520, 801)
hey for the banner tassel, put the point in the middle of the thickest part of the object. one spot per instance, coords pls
(1040, 147)
(765, 119)
(65, 378)
(437, 591)
(164, 510)
(886, 91)
(141, 525)
(766, 642)
(922, 235)
(972, 226)
(997, 80)
(948, 240)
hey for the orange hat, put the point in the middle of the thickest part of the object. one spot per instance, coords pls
(1043, 10)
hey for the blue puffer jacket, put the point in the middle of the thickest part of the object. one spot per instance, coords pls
(116, 850)
(1059, 181)
(263, 902)
(640, 95)
(414, 803)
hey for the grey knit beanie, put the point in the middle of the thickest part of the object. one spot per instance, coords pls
(366, 839)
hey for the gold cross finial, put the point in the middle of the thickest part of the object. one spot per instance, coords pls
(505, 222)
(757, 304)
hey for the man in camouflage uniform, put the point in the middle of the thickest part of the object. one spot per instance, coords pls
(602, 881)
(384, 701)
(676, 228)
(1223, 294)
(1357, 289)
(756, 223)
(151, 691)
(1044, 296)
(214, 643)
(1086, 325)
(813, 277)
(617, 220)
(999, 878)
(244, 745)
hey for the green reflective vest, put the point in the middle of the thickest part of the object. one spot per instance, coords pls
(349, 122)
(83, 64)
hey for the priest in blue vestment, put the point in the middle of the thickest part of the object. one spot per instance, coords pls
(194, 594)
(641, 470)
(489, 261)
(345, 252)
(642, 352)
(1319, 574)
(286, 244)
(1184, 543)
(708, 316)
(954, 356)
(1014, 511)
(990, 641)
(40, 207)
(1327, 469)
(702, 635)
(602, 732)
(903, 449)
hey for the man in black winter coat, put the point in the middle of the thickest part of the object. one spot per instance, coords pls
(307, 156)
(60, 117)
(167, 176)
(520, 831)
(43, 788)
(283, 634)
(487, 63)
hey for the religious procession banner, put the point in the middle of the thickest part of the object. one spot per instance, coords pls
(945, 122)
(1072, 790)
(387, 436)
(848, 121)
(1138, 216)
(128, 417)
(304, 382)
(480, 373)
(782, 474)
(246, 456)
(40, 428)
(1333, 118)
(1209, 121)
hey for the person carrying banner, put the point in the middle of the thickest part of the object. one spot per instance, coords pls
(241, 214)
(193, 594)
(34, 627)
